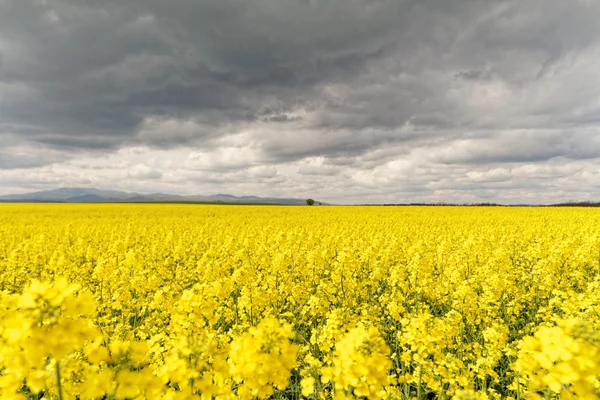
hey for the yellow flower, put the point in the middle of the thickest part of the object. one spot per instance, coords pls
(262, 358)
(562, 359)
(361, 362)
(127, 385)
(308, 386)
(37, 380)
(96, 352)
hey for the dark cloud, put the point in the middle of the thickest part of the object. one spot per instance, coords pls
(475, 74)
(100, 68)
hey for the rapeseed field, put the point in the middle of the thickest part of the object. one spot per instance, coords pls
(132, 301)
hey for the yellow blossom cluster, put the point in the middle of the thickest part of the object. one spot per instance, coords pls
(360, 364)
(151, 301)
(561, 359)
(262, 358)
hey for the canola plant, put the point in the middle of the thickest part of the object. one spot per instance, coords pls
(133, 301)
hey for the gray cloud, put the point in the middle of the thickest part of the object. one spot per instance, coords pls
(100, 68)
(381, 100)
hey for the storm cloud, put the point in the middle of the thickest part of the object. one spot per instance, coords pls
(341, 100)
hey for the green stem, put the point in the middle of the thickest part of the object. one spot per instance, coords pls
(60, 395)
(419, 385)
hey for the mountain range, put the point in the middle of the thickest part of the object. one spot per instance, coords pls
(91, 195)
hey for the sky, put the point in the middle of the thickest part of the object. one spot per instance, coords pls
(345, 101)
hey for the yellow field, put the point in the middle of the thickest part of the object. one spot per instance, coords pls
(187, 301)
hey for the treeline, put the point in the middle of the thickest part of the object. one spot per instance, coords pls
(579, 204)
(441, 204)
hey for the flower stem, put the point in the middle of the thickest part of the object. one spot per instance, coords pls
(60, 395)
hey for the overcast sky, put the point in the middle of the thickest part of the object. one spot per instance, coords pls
(340, 100)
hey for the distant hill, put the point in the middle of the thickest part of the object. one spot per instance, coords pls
(91, 195)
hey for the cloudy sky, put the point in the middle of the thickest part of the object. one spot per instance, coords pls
(341, 100)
